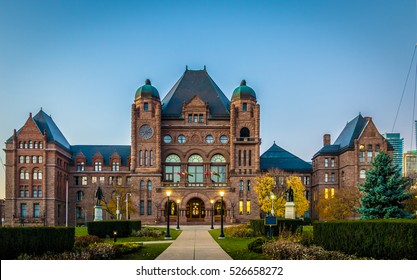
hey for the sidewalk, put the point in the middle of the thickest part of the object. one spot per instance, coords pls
(194, 243)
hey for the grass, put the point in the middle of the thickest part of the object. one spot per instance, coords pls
(147, 252)
(237, 248)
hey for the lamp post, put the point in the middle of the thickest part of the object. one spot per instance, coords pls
(212, 213)
(178, 213)
(221, 236)
(127, 205)
(117, 207)
(168, 235)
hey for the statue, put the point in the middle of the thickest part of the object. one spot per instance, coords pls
(99, 196)
(290, 195)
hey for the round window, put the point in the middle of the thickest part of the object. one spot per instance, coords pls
(223, 139)
(181, 139)
(209, 139)
(167, 139)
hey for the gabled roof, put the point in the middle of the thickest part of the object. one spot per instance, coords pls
(195, 83)
(346, 139)
(105, 150)
(277, 157)
(45, 123)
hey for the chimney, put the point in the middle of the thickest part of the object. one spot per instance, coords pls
(326, 139)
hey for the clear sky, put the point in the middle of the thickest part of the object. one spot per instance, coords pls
(313, 64)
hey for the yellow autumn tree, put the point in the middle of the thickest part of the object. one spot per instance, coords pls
(300, 200)
(265, 186)
(338, 206)
(110, 204)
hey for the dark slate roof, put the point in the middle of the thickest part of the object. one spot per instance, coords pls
(45, 122)
(195, 83)
(277, 157)
(105, 150)
(345, 141)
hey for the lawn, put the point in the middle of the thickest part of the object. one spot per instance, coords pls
(237, 248)
(147, 252)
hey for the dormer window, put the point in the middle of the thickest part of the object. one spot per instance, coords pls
(98, 166)
(115, 166)
(80, 166)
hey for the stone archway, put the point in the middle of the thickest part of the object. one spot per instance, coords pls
(195, 210)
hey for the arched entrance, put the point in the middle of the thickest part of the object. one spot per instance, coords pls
(196, 210)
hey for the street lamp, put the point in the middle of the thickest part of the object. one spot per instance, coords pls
(167, 235)
(127, 205)
(178, 213)
(221, 236)
(212, 213)
(117, 207)
(272, 199)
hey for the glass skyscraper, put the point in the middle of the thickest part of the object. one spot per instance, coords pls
(398, 144)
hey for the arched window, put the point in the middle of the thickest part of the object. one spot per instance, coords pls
(37, 174)
(142, 184)
(40, 159)
(30, 144)
(150, 158)
(195, 158)
(21, 159)
(149, 185)
(326, 177)
(35, 145)
(22, 174)
(218, 158)
(172, 158)
(34, 159)
(218, 169)
(40, 145)
(244, 132)
(20, 145)
(141, 157)
(195, 169)
(79, 196)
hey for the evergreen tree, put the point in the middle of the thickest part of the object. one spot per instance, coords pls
(383, 191)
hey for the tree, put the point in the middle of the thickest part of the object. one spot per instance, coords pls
(265, 185)
(383, 191)
(341, 206)
(110, 205)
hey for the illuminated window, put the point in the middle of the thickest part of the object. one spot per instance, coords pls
(240, 207)
(248, 207)
(98, 166)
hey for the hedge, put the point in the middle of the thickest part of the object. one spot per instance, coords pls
(106, 228)
(34, 240)
(379, 239)
(260, 228)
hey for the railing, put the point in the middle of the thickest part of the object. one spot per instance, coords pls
(194, 185)
(246, 139)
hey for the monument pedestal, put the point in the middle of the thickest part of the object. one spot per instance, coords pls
(290, 210)
(98, 213)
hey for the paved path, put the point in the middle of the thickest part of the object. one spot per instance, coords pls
(194, 243)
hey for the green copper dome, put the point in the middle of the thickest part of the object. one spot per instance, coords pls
(147, 91)
(243, 91)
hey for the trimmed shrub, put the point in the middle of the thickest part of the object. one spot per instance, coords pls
(239, 231)
(148, 232)
(256, 245)
(125, 248)
(102, 251)
(82, 242)
(106, 228)
(379, 239)
(290, 225)
(287, 250)
(16, 241)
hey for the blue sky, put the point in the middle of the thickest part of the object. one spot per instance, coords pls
(313, 64)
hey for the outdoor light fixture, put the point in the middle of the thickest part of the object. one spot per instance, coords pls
(115, 235)
(168, 235)
(272, 199)
(178, 213)
(212, 213)
(221, 236)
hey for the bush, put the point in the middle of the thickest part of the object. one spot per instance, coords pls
(148, 232)
(125, 248)
(260, 228)
(379, 239)
(106, 228)
(256, 245)
(16, 241)
(102, 251)
(287, 250)
(82, 242)
(239, 231)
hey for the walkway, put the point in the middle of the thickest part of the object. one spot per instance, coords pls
(194, 243)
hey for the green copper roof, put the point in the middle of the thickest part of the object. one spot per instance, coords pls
(243, 91)
(147, 90)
